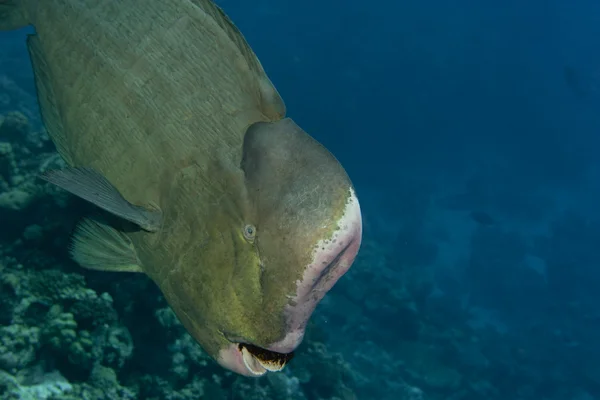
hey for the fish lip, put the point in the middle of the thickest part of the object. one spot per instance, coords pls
(232, 358)
(337, 253)
(254, 367)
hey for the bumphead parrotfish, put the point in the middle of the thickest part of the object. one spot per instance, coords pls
(168, 122)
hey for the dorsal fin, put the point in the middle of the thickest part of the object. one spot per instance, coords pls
(272, 103)
(217, 14)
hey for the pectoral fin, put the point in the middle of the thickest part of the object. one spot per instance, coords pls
(99, 246)
(90, 185)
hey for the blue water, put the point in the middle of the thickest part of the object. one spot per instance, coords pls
(471, 130)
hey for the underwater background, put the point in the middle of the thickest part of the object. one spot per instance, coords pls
(471, 130)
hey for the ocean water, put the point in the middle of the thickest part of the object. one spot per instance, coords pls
(471, 131)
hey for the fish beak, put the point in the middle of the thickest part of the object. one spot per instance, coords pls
(250, 360)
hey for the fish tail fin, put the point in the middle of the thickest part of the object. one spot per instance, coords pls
(12, 15)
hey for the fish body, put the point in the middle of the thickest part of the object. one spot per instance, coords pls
(168, 122)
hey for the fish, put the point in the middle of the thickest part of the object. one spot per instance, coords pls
(170, 126)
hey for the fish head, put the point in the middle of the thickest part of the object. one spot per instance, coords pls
(305, 232)
(285, 230)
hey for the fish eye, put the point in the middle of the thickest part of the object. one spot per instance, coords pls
(249, 232)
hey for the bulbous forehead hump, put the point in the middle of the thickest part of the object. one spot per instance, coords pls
(290, 176)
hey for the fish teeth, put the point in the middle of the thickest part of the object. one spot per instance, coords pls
(259, 361)
(253, 364)
(272, 365)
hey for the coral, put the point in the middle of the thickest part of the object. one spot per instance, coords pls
(55, 285)
(86, 391)
(285, 386)
(8, 298)
(59, 317)
(15, 200)
(8, 166)
(187, 354)
(14, 126)
(325, 375)
(61, 334)
(41, 387)
(94, 311)
(33, 233)
(18, 346)
(117, 346)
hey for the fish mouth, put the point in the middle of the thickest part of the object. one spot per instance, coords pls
(258, 360)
